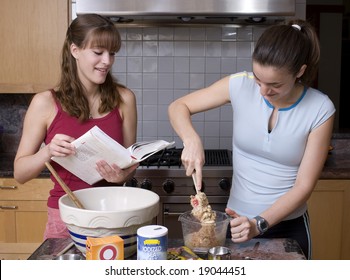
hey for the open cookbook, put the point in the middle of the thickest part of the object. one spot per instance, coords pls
(96, 145)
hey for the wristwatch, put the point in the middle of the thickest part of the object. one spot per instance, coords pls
(261, 224)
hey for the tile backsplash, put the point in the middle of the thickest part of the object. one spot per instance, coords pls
(161, 64)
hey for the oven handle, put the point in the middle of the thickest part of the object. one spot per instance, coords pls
(167, 213)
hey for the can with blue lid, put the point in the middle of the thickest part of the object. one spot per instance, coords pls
(152, 242)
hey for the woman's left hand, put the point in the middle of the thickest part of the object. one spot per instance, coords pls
(242, 228)
(113, 173)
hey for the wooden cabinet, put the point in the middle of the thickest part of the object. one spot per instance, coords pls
(23, 216)
(329, 209)
(32, 35)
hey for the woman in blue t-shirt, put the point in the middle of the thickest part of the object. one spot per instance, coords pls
(281, 134)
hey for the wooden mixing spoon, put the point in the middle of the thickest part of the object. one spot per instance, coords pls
(64, 186)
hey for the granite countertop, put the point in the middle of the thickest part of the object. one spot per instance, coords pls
(337, 165)
(257, 248)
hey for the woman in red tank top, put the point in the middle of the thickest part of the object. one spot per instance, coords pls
(86, 95)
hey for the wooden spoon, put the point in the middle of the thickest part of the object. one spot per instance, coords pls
(64, 186)
(195, 182)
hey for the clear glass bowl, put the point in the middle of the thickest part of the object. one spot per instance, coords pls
(200, 237)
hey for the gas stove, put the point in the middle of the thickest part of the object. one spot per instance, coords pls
(164, 174)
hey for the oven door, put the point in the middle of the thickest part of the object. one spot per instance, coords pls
(172, 208)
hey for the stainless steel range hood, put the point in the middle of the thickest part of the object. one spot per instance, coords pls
(190, 11)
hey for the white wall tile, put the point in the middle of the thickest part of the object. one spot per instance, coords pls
(182, 33)
(228, 49)
(244, 49)
(150, 48)
(229, 33)
(134, 48)
(228, 65)
(134, 64)
(244, 34)
(226, 129)
(181, 48)
(150, 113)
(134, 80)
(211, 129)
(166, 64)
(211, 78)
(119, 65)
(165, 96)
(181, 81)
(212, 65)
(197, 33)
(165, 130)
(166, 33)
(212, 115)
(197, 48)
(182, 64)
(150, 34)
(163, 112)
(165, 81)
(150, 64)
(149, 97)
(149, 81)
(197, 81)
(212, 142)
(166, 48)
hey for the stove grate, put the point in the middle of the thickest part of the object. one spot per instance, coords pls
(218, 158)
(172, 157)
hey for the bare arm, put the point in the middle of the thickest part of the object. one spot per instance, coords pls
(30, 158)
(180, 112)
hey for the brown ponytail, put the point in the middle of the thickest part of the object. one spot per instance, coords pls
(290, 47)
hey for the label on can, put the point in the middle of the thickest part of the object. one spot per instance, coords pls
(152, 243)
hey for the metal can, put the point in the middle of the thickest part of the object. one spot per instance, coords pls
(152, 242)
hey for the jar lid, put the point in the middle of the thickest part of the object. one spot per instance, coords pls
(152, 231)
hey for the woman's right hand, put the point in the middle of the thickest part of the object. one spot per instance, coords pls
(193, 159)
(61, 146)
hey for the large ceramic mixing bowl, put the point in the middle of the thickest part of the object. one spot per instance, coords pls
(109, 211)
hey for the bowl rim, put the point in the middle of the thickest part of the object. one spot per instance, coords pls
(151, 204)
(182, 217)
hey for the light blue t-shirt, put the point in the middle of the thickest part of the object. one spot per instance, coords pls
(265, 165)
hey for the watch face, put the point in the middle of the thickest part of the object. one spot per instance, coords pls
(261, 224)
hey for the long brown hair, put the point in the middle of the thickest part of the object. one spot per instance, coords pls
(290, 46)
(87, 31)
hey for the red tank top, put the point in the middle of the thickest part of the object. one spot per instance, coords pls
(63, 123)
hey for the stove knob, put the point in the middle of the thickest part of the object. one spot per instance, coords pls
(225, 184)
(132, 183)
(168, 186)
(146, 184)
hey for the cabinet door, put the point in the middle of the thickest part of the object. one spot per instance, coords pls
(22, 221)
(32, 35)
(329, 208)
(23, 210)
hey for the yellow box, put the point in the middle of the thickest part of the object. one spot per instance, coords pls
(105, 248)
